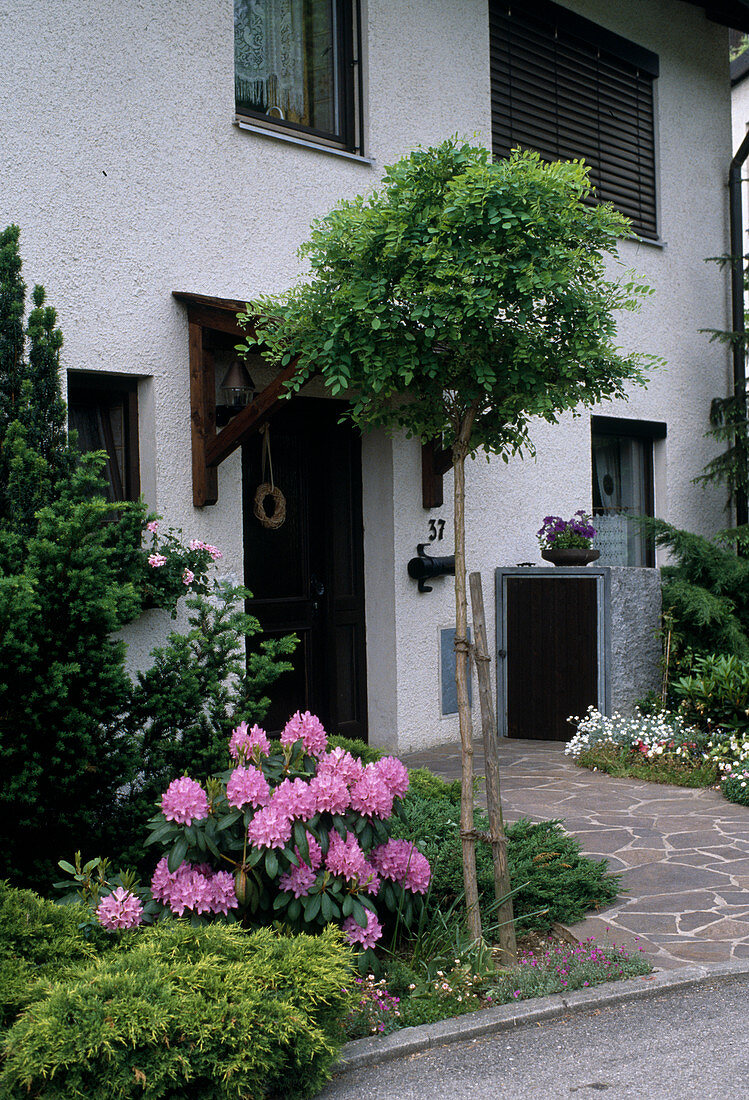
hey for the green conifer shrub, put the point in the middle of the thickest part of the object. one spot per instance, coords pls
(76, 742)
(38, 941)
(214, 1013)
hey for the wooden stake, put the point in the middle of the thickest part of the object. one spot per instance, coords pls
(467, 824)
(507, 941)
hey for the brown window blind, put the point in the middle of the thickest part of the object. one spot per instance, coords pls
(567, 88)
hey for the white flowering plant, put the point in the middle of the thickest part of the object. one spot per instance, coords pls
(651, 737)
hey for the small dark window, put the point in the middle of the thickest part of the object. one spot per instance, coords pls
(623, 487)
(295, 67)
(569, 89)
(103, 410)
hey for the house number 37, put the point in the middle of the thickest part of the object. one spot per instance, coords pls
(436, 530)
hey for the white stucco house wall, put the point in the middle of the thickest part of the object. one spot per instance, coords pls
(148, 149)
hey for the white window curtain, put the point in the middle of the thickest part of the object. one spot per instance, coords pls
(269, 57)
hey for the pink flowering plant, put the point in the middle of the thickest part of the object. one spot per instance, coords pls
(117, 901)
(296, 831)
(172, 567)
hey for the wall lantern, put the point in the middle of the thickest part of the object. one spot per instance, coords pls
(235, 392)
(425, 566)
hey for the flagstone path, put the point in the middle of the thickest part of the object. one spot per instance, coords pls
(683, 854)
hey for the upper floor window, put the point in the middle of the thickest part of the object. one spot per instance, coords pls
(103, 410)
(296, 66)
(569, 89)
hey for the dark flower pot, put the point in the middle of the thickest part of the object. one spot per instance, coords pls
(571, 555)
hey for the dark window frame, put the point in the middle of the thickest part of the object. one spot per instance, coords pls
(350, 91)
(584, 73)
(97, 389)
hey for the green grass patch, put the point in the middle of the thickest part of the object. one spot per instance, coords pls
(624, 762)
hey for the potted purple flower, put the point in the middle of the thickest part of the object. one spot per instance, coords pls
(567, 541)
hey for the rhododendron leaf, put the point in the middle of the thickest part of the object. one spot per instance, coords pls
(367, 903)
(291, 856)
(389, 897)
(348, 905)
(300, 839)
(295, 909)
(366, 837)
(313, 822)
(326, 908)
(380, 830)
(340, 826)
(282, 900)
(228, 820)
(359, 913)
(177, 855)
(166, 829)
(65, 866)
(211, 846)
(359, 825)
(324, 839)
(311, 907)
(271, 863)
(200, 837)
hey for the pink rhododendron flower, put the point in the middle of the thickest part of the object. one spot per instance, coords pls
(188, 576)
(298, 881)
(156, 560)
(342, 764)
(330, 792)
(371, 796)
(402, 862)
(294, 799)
(120, 909)
(345, 857)
(152, 526)
(247, 787)
(184, 801)
(307, 728)
(244, 740)
(198, 888)
(269, 828)
(368, 936)
(394, 773)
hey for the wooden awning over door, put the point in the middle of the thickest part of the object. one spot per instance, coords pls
(209, 449)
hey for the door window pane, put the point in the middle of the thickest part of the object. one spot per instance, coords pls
(622, 488)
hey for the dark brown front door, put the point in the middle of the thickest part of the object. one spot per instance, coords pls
(551, 654)
(307, 576)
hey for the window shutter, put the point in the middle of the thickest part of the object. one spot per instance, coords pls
(569, 89)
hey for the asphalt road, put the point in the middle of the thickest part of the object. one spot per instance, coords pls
(690, 1044)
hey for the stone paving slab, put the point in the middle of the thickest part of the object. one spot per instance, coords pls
(683, 853)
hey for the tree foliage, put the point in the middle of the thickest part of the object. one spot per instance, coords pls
(461, 285)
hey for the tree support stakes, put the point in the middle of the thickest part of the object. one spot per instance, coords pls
(502, 888)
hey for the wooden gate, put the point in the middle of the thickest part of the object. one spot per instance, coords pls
(550, 650)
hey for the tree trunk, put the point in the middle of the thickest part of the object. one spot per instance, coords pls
(467, 837)
(502, 887)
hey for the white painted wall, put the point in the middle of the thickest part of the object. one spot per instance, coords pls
(120, 161)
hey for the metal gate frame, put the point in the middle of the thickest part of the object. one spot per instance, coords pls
(603, 594)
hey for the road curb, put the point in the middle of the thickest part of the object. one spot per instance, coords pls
(487, 1021)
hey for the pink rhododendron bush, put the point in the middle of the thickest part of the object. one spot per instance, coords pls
(301, 835)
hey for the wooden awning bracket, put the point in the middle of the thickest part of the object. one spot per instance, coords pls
(435, 462)
(209, 448)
